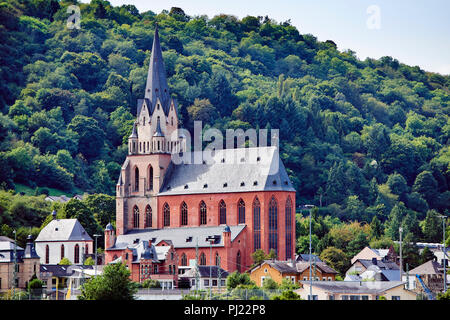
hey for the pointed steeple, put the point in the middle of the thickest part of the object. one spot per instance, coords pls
(158, 131)
(156, 79)
(134, 132)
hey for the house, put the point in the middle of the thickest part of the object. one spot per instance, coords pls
(320, 271)
(148, 261)
(58, 277)
(241, 198)
(432, 275)
(373, 269)
(355, 290)
(63, 198)
(380, 254)
(293, 271)
(207, 275)
(63, 238)
(27, 263)
(276, 270)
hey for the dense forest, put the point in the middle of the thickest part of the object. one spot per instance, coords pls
(365, 141)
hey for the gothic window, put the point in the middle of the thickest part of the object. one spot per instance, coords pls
(241, 211)
(256, 224)
(222, 212)
(47, 254)
(171, 121)
(288, 217)
(136, 179)
(184, 214)
(238, 261)
(150, 177)
(202, 212)
(202, 259)
(166, 214)
(135, 217)
(183, 260)
(273, 225)
(76, 257)
(148, 217)
(62, 251)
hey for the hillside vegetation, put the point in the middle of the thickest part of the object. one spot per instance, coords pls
(360, 139)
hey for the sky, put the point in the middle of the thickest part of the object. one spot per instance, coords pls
(415, 32)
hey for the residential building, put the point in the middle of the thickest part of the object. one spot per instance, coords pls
(63, 238)
(26, 262)
(237, 201)
(148, 261)
(380, 254)
(305, 258)
(355, 290)
(208, 276)
(373, 269)
(432, 275)
(293, 271)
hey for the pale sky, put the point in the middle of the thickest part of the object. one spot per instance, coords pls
(415, 32)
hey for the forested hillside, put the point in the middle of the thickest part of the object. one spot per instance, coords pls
(360, 139)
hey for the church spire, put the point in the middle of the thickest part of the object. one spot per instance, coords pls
(156, 79)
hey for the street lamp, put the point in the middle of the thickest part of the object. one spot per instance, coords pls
(310, 207)
(96, 236)
(401, 262)
(210, 240)
(444, 250)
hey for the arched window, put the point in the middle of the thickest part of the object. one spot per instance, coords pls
(288, 219)
(238, 261)
(241, 211)
(183, 260)
(47, 254)
(202, 259)
(76, 258)
(184, 214)
(62, 251)
(136, 179)
(273, 225)
(148, 216)
(222, 212)
(166, 215)
(150, 177)
(203, 212)
(217, 259)
(256, 225)
(136, 217)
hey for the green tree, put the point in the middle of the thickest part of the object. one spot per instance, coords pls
(432, 227)
(235, 278)
(113, 284)
(336, 259)
(65, 262)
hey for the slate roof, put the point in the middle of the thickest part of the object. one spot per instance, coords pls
(281, 266)
(156, 87)
(302, 266)
(384, 265)
(180, 237)
(62, 271)
(204, 272)
(228, 170)
(429, 267)
(63, 230)
(357, 287)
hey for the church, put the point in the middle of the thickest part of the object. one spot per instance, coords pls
(216, 213)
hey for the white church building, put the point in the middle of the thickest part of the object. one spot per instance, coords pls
(63, 238)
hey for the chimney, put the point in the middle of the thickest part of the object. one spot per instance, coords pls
(374, 261)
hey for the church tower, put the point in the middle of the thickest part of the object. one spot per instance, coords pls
(153, 139)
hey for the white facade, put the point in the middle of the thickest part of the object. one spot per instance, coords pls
(63, 238)
(54, 251)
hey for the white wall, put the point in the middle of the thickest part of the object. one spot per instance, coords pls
(55, 250)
